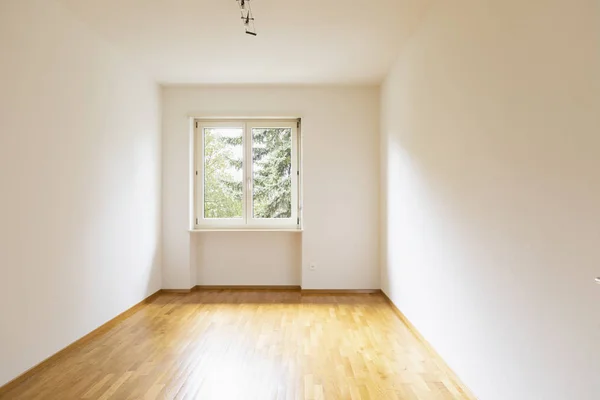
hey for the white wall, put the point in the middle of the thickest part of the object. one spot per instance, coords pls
(341, 191)
(248, 258)
(491, 193)
(79, 174)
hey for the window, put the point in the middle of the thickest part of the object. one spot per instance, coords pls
(246, 174)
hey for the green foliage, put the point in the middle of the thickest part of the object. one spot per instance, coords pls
(222, 192)
(272, 169)
(272, 161)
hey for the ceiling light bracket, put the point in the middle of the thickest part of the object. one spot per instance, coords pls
(247, 17)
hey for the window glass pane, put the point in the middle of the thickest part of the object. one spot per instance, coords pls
(272, 172)
(223, 172)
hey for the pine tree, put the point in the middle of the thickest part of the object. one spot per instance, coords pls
(272, 172)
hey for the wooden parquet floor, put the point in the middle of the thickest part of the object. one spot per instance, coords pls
(239, 345)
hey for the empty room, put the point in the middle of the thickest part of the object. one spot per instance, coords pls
(300, 199)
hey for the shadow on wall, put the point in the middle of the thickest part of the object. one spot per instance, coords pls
(248, 258)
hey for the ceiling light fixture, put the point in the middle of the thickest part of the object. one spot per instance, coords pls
(247, 17)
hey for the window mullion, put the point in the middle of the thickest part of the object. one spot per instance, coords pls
(198, 174)
(247, 175)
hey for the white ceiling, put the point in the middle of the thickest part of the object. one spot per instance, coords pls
(298, 42)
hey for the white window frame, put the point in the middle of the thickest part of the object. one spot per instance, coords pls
(247, 222)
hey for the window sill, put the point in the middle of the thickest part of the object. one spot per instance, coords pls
(206, 230)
